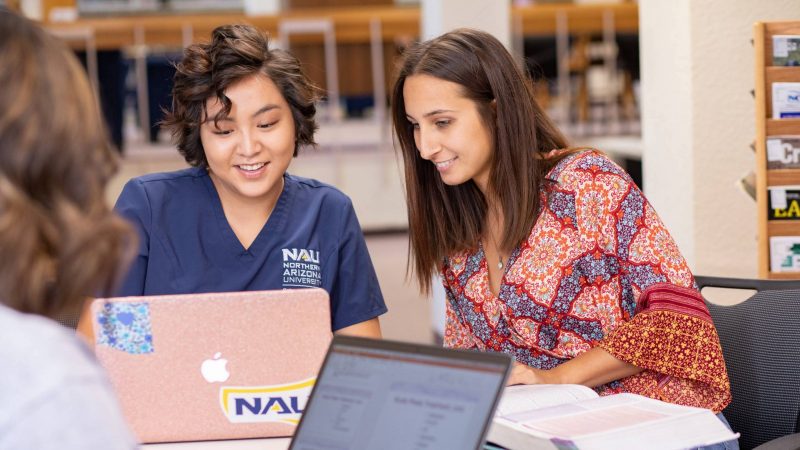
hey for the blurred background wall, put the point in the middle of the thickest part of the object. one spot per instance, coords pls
(688, 120)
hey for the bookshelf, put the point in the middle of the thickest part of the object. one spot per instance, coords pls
(765, 74)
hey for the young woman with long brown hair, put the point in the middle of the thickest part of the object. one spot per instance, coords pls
(550, 254)
(59, 243)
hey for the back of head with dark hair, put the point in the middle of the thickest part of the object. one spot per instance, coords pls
(235, 52)
(59, 242)
(445, 219)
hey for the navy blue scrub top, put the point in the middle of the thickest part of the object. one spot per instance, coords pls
(311, 239)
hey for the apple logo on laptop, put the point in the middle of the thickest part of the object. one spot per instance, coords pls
(214, 370)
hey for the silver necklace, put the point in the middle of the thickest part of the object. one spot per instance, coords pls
(500, 263)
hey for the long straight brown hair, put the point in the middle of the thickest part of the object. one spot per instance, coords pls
(59, 241)
(446, 219)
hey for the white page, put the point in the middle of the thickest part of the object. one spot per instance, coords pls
(612, 414)
(621, 422)
(780, 45)
(693, 428)
(778, 198)
(775, 150)
(590, 421)
(522, 398)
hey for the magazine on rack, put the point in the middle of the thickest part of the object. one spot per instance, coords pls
(783, 202)
(784, 253)
(783, 152)
(785, 50)
(568, 416)
(785, 100)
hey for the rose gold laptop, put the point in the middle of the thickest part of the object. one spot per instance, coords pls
(213, 366)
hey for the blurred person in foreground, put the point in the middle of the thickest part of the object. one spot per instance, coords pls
(59, 244)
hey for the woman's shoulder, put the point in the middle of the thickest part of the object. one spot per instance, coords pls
(314, 190)
(585, 161)
(158, 179)
(153, 188)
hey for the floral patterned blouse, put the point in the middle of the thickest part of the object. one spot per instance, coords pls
(598, 269)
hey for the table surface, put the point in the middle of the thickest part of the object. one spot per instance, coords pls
(238, 444)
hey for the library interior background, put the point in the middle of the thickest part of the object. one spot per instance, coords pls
(672, 91)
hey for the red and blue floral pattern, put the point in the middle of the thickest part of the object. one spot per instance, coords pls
(598, 269)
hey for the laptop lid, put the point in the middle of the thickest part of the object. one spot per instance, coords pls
(381, 394)
(213, 366)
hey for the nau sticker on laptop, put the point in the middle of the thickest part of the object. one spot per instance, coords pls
(277, 403)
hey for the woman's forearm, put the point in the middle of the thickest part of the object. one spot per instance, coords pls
(593, 368)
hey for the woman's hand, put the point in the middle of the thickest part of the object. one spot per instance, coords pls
(524, 374)
(591, 368)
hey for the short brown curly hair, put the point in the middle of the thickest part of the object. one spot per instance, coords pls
(234, 53)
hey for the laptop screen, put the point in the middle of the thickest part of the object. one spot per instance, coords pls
(389, 395)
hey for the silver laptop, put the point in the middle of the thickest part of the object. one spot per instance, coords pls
(374, 394)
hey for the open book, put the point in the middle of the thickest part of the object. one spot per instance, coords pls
(570, 416)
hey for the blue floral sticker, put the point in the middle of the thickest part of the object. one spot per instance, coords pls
(126, 327)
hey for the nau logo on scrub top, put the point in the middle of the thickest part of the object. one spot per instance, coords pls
(278, 403)
(301, 268)
(300, 254)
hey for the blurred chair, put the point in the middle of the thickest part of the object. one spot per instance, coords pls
(288, 27)
(86, 37)
(760, 339)
(790, 442)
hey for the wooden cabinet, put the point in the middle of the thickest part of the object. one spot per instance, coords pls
(297, 4)
(766, 126)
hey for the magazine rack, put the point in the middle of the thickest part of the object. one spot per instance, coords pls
(766, 74)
